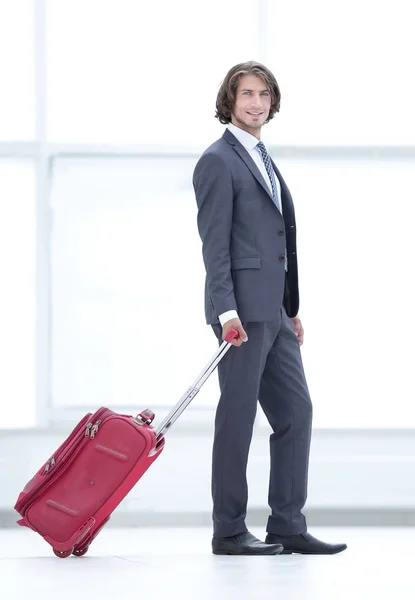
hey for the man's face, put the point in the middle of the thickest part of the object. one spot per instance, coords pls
(252, 104)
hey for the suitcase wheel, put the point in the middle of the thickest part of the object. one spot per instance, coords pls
(60, 554)
(81, 551)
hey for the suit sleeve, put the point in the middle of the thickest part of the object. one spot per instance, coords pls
(212, 183)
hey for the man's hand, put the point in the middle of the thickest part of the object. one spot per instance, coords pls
(235, 324)
(298, 330)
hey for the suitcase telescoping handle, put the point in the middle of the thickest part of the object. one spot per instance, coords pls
(190, 393)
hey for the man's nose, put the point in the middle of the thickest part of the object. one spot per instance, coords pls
(256, 100)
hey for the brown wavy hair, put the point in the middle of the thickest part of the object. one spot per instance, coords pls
(227, 91)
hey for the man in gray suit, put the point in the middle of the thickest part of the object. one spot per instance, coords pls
(247, 225)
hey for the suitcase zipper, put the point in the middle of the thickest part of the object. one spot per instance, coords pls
(75, 439)
(66, 443)
(49, 464)
(92, 426)
(95, 428)
(88, 427)
(54, 465)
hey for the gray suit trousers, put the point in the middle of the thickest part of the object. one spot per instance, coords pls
(267, 368)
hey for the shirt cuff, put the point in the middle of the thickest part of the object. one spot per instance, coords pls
(227, 316)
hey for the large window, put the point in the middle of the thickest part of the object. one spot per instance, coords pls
(17, 68)
(344, 70)
(127, 283)
(17, 295)
(143, 72)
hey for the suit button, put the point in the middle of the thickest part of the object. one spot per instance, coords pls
(282, 257)
(281, 232)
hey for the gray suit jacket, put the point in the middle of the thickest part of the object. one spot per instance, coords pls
(244, 236)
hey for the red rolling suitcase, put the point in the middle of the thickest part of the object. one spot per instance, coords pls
(72, 496)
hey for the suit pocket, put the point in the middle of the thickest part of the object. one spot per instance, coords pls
(248, 262)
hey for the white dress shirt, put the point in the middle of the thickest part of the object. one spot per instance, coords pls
(249, 142)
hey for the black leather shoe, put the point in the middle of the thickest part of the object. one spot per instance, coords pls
(303, 543)
(246, 544)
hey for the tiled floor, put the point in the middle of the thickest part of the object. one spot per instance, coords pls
(151, 563)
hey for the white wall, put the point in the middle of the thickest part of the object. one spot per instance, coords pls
(356, 477)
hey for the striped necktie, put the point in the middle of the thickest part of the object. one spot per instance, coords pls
(268, 166)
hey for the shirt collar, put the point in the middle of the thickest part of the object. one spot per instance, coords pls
(247, 140)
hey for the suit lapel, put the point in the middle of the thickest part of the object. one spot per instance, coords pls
(286, 199)
(244, 154)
